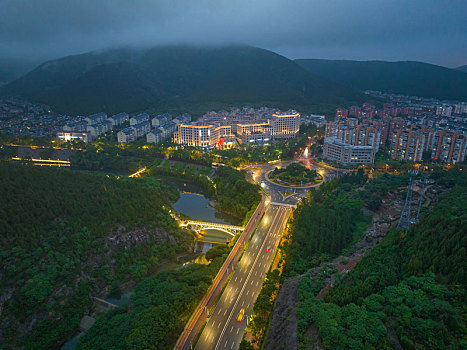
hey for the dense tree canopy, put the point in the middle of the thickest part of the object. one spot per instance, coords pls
(59, 244)
(327, 222)
(162, 304)
(408, 292)
(294, 173)
(234, 194)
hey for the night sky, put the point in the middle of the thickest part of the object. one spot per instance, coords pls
(420, 30)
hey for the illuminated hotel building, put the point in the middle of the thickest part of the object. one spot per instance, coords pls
(221, 131)
(284, 125)
(207, 136)
(254, 133)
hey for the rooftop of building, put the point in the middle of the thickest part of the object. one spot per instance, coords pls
(339, 142)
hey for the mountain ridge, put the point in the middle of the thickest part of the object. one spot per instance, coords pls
(404, 77)
(177, 77)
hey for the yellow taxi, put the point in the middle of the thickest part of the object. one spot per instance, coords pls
(240, 315)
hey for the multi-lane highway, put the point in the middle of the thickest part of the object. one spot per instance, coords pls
(224, 330)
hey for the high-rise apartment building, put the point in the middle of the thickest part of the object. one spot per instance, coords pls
(407, 145)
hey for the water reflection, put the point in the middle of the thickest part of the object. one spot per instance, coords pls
(197, 207)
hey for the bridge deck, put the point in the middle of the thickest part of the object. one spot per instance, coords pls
(200, 225)
(211, 224)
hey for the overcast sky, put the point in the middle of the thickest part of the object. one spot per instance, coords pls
(421, 30)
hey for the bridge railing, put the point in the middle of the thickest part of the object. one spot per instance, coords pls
(211, 224)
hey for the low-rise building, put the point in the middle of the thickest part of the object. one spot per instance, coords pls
(336, 150)
(168, 129)
(317, 120)
(445, 111)
(126, 135)
(161, 119)
(99, 128)
(76, 126)
(142, 117)
(182, 119)
(154, 136)
(74, 136)
(118, 119)
(141, 128)
(96, 118)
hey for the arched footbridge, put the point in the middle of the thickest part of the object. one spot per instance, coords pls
(201, 225)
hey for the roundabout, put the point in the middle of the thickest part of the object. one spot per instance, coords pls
(293, 180)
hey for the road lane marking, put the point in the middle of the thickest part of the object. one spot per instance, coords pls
(275, 219)
(276, 223)
(231, 346)
(225, 312)
(231, 329)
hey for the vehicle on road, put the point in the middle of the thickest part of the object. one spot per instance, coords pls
(267, 249)
(240, 315)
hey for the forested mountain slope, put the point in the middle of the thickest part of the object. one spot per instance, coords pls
(408, 292)
(409, 78)
(67, 236)
(183, 78)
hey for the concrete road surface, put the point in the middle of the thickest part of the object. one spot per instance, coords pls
(224, 330)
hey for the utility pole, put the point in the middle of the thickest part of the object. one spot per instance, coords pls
(404, 221)
(424, 182)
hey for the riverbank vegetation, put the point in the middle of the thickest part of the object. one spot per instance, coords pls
(235, 195)
(67, 236)
(408, 292)
(228, 187)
